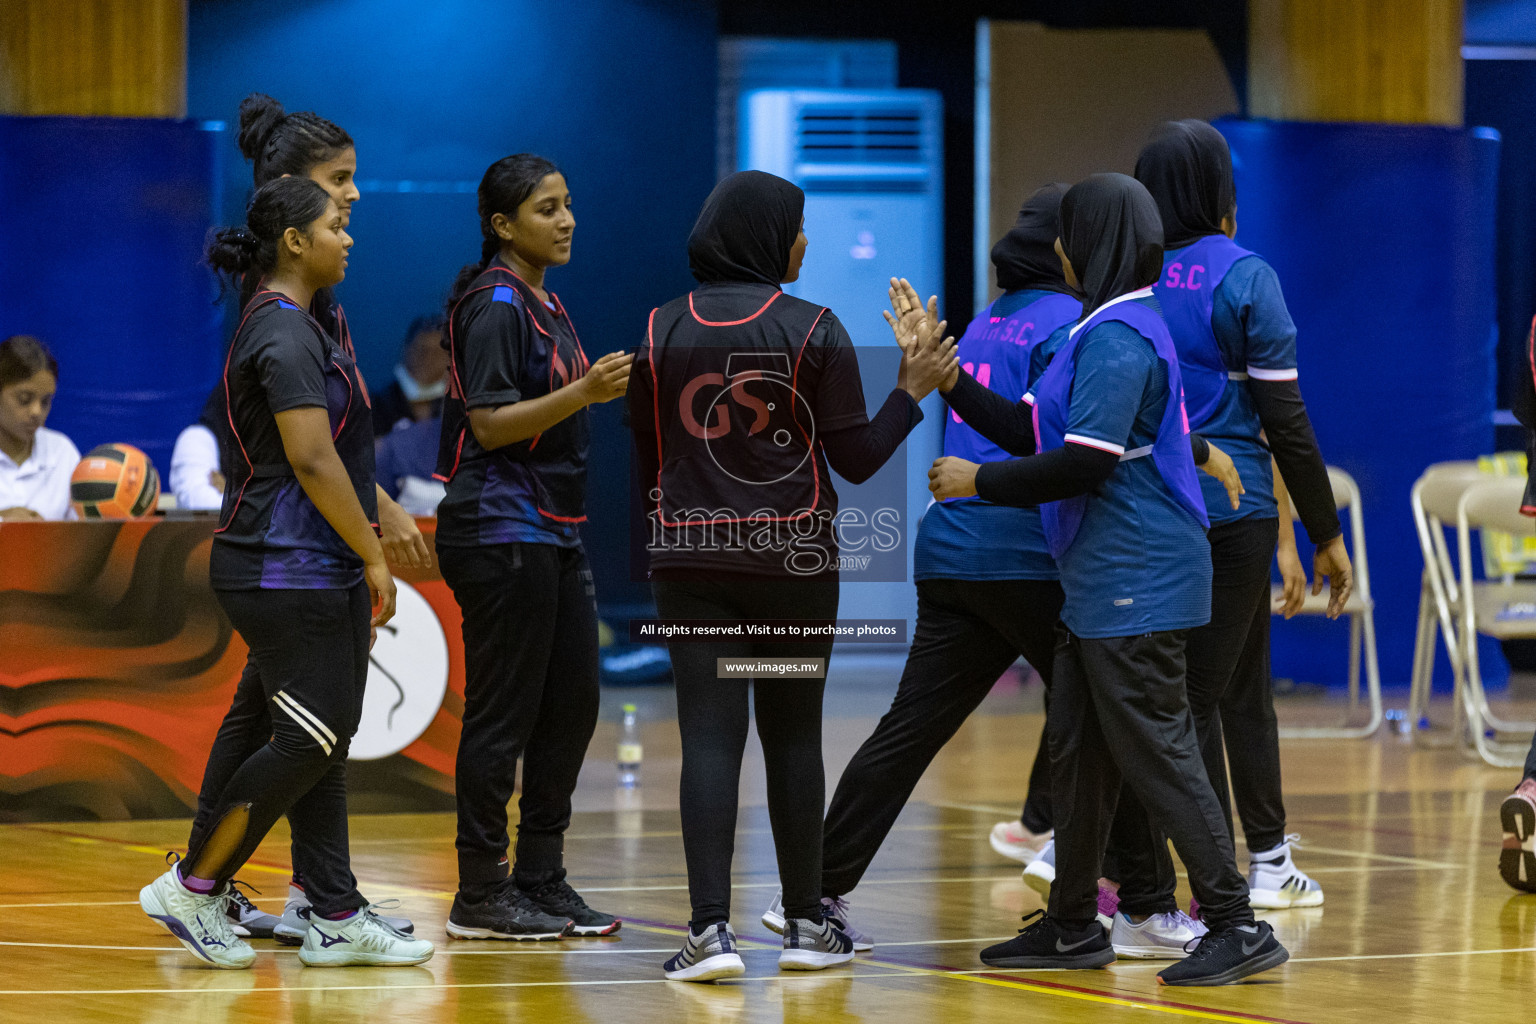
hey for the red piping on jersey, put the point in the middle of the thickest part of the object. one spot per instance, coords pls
(730, 323)
(453, 365)
(656, 407)
(229, 406)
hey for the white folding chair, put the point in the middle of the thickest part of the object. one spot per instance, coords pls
(1434, 498)
(1361, 610)
(1504, 609)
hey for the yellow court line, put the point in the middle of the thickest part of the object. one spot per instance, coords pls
(81, 903)
(1103, 999)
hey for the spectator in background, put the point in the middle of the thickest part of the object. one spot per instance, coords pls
(405, 460)
(197, 477)
(421, 378)
(35, 462)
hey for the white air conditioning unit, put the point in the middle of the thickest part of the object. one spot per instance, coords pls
(871, 165)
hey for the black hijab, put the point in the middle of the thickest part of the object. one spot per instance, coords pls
(1026, 256)
(746, 229)
(1110, 232)
(1188, 169)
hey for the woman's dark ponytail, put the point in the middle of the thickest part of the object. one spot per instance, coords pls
(248, 253)
(507, 184)
(278, 143)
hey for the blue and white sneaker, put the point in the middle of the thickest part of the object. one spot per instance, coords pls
(834, 909)
(707, 957)
(1041, 871)
(294, 925)
(199, 922)
(813, 945)
(363, 940)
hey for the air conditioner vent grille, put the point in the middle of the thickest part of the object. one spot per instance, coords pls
(839, 134)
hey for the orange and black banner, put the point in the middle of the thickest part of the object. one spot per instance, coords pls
(117, 665)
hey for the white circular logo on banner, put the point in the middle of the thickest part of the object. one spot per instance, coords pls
(407, 678)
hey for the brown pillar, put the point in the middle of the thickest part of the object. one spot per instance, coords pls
(1356, 60)
(120, 58)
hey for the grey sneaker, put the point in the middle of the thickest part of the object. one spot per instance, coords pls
(813, 945)
(707, 956)
(245, 918)
(834, 908)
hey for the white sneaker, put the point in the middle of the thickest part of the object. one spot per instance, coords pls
(836, 911)
(813, 945)
(1159, 937)
(707, 956)
(1276, 883)
(365, 939)
(294, 925)
(1041, 871)
(1014, 841)
(200, 923)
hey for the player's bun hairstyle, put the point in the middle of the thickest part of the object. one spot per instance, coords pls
(21, 356)
(279, 143)
(507, 184)
(245, 254)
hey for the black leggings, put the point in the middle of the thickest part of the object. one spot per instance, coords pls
(968, 633)
(309, 649)
(246, 728)
(1232, 706)
(713, 715)
(530, 690)
(1119, 712)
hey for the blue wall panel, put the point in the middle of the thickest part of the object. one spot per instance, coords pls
(1383, 238)
(620, 93)
(102, 222)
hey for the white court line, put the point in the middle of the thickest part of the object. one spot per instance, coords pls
(892, 972)
(1334, 851)
(511, 949)
(783, 978)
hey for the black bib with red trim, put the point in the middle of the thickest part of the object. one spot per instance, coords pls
(506, 345)
(270, 534)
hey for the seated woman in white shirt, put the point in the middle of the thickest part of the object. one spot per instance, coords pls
(35, 462)
(197, 477)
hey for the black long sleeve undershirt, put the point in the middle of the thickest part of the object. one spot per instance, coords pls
(1009, 425)
(1063, 472)
(857, 453)
(1283, 415)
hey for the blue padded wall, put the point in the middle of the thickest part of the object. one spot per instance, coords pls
(1383, 238)
(102, 222)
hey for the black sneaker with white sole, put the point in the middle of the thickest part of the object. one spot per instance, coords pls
(1046, 945)
(1228, 955)
(503, 913)
(558, 899)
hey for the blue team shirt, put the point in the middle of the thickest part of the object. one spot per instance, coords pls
(1139, 563)
(971, 539)
(1256, 337)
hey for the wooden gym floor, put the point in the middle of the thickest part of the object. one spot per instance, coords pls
(1417, 926)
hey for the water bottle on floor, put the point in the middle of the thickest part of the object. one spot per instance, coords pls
(630, 751)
